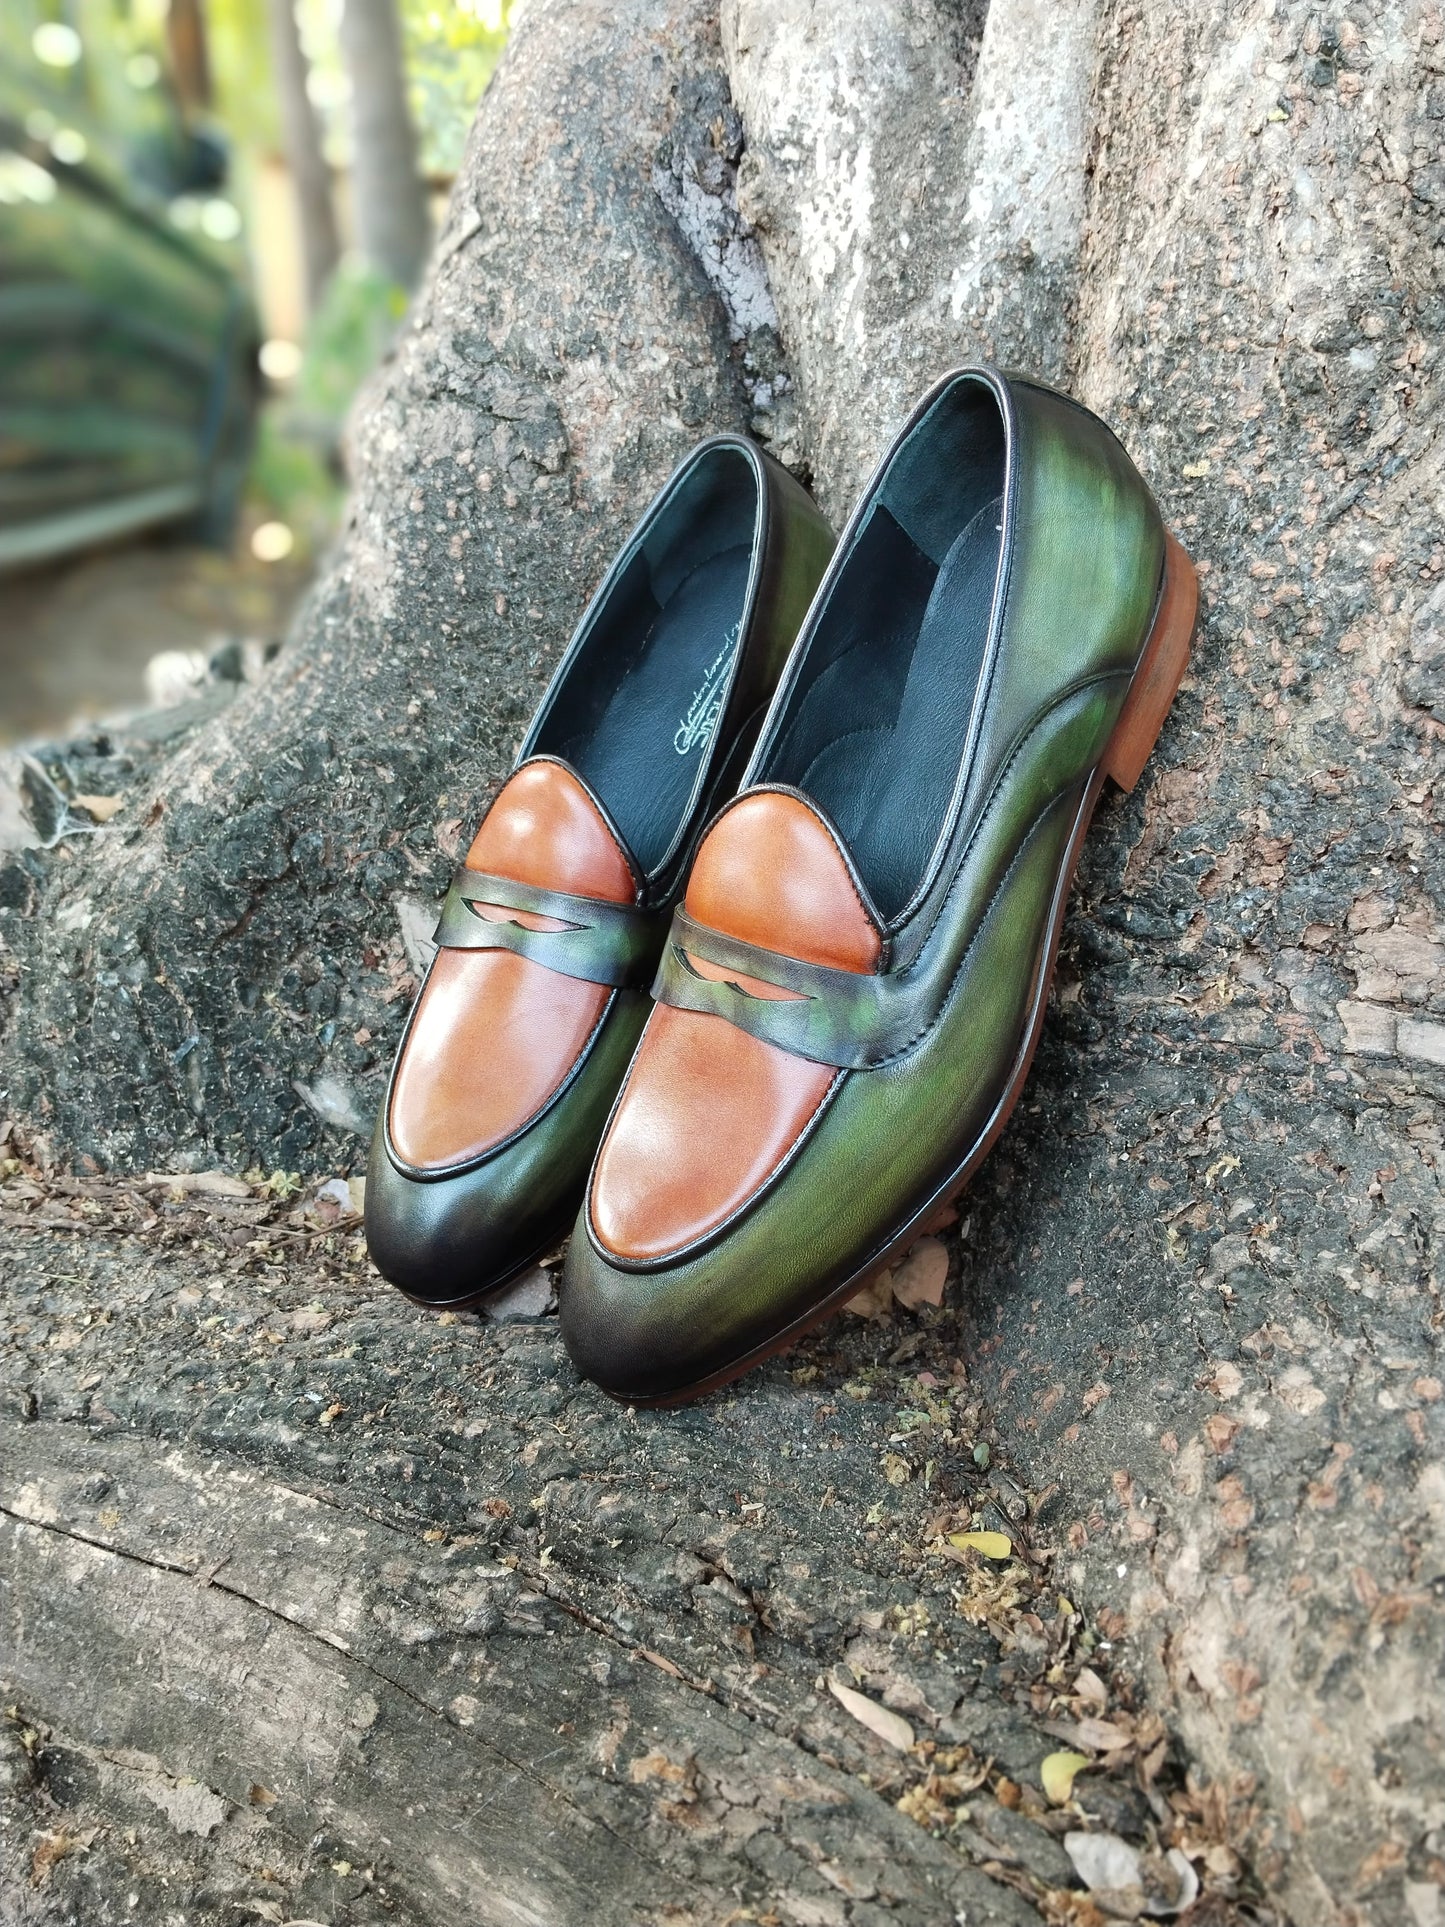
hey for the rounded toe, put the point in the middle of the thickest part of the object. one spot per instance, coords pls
(646, 1337)
(445, 1241)
(617, 1333)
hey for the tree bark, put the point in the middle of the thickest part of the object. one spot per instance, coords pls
(189, 54)
(451, 1641)
(392, 225)
(916, 176)
(1198, 1281)
(301, 144)
(1202, 1266)
(1242, 1111)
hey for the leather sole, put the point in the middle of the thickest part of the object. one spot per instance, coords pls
(1151, 693)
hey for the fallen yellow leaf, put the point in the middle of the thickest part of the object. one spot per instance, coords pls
(1056, 1775)
(993, 1545)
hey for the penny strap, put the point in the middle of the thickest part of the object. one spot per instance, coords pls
(598, 942)
(843, 1017)
(855, 1020)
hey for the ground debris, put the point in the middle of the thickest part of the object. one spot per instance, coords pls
(930, 1677)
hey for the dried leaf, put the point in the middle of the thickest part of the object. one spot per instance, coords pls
(53, 1847)
(102, 808)
(993, 1545)
(661, 1662)
(1056, 1775)
(920, 1279)
(1225, 1381)
(1103, 1735)
(873, 1301)
(1104, 1862)
(890, 1727)
(340, 1192)
(533, 1295)
(1129, 1883)
(212, 1184)
(1089, 1686)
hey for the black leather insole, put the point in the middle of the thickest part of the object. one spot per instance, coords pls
(642, 753)
(885, 772)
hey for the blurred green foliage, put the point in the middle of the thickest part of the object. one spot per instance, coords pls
(240, 45)
(296, 475)
(452, 47)
(292, 480)
(451, 50)
(357, 318)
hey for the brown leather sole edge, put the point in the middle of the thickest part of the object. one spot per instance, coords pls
(1156, 682)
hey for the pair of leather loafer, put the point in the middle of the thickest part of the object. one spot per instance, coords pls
(552, 929)
(848, 971)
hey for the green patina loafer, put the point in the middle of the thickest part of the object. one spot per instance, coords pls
(852, 990)
(553, 928)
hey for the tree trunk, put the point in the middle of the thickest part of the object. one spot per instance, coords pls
(392, 226)
(305, 162)
(1197, 1283)
(189, 55)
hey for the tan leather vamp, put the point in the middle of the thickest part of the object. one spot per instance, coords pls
(770, 872)
(495, 1034)
(709, 1112)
